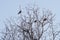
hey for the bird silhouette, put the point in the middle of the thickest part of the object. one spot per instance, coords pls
(19, 12)
(44, 19)
(35, 21)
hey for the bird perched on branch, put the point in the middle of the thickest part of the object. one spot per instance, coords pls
(35, 21)
(19, 12)
(44, 19)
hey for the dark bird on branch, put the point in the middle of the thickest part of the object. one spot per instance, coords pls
(44, 19)
(19, 12)
(35, 21)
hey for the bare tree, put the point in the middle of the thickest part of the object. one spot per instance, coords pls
(32, 26)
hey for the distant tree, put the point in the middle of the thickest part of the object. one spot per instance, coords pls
(32, 26)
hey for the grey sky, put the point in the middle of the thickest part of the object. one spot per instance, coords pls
(10, 8)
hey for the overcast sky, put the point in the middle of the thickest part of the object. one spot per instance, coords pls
(10, 8)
